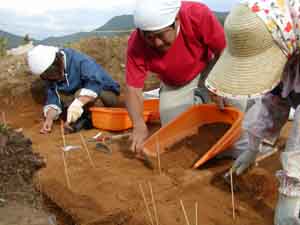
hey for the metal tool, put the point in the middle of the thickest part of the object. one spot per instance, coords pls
(100, 146)
(68, 148)
(103, 143)
(108, 138)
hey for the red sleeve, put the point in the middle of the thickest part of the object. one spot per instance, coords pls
(136, 72)
(208, 28)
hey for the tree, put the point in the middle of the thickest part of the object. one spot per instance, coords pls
(3, 46)
(26, 39)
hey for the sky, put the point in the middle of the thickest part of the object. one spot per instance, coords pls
(43, 18)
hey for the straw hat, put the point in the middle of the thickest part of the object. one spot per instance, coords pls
(252, 63)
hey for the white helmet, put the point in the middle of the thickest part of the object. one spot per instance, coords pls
(40, 58)
(152, 15)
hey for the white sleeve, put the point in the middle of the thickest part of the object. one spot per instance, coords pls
(47, 107)
(88, 92)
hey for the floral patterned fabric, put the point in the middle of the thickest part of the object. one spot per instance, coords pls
(282, 18)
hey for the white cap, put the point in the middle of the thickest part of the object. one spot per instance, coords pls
(40, 58)
(152, 15)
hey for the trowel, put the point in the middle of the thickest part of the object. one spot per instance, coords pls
(105, 141)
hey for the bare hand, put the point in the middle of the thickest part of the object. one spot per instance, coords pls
(47, 126)
(139, 135)
(218, 100)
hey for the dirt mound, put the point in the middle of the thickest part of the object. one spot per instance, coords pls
(111, 53)
(17, 161)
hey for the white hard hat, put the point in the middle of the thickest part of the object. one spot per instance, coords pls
(40, 58)
(152, 15)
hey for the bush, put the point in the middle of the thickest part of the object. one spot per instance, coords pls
(3, 46)
(26, 39)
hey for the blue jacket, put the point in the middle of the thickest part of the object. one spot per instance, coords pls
(81, 72)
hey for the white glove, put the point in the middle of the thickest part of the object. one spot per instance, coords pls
(244, 161)
(287, 210)
(75, 110)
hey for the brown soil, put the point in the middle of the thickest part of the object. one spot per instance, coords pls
(100, 195)
(109, 193)
(186, 152)
(20, 203)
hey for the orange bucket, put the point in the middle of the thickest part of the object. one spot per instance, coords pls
(187, 124)
(152, 106)
(117, 119)
(113, 119)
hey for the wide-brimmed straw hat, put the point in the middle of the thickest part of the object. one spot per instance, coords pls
(252, 63)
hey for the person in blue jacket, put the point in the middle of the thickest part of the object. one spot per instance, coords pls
(68, 72)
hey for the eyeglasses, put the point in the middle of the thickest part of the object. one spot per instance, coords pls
(162, 34)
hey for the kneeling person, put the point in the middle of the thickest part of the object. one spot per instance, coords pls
(70, 73)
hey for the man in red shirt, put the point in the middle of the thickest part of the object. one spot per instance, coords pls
(176, 40)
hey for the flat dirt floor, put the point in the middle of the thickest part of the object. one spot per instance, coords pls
(110, 192)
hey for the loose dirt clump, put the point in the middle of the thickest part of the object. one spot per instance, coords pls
(17, 163)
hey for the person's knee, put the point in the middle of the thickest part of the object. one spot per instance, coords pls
(109, 98)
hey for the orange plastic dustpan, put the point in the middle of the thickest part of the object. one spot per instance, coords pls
(188, 123)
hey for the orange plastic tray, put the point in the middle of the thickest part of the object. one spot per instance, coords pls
(117, 119)
(187, 124)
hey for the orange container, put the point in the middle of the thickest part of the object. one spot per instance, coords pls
(188, 123)
(113, 119)
(152, 106)
(117, 119)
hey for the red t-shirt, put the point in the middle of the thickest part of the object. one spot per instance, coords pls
(199, 36)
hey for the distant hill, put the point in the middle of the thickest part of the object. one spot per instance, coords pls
(12, 40)
(64, 40)
(124, 22)
(113, 27)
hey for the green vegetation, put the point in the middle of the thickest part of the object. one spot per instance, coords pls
(3, 128)
(3, 46)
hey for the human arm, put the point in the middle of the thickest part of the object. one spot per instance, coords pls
(135, 105)
(93, 80)
(51, 110)
(136, 74)
(263, 120)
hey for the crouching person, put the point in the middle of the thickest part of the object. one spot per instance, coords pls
(70, 75)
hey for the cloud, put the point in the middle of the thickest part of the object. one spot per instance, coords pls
(41, 19)
(55, 22)
(33, 7)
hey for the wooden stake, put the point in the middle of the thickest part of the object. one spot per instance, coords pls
(232, 195)
(66, 170)
(62, 132)
(196, 213)
(158, 155)
(146, 205)
(87, 150)
(184, 213)
(4, 119)
(153, 203)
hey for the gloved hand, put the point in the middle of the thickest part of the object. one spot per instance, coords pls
(75, 110)
(244, 161)
(287, 211)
